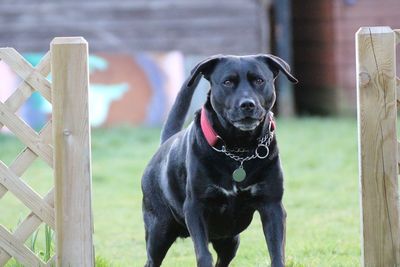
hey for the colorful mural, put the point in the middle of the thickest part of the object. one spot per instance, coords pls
(124, 89)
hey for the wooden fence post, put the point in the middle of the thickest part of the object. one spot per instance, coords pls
(72, 157)
(378, 169)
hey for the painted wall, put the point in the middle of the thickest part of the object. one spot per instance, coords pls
(124, 89)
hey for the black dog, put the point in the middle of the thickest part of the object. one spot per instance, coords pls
(208, 180)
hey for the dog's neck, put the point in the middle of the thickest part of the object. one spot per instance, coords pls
(232, 136)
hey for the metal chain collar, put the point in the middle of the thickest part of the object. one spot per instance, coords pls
(263, 144)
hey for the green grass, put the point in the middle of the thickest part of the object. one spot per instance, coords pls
(319, 157)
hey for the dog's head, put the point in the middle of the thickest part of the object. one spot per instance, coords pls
(242, 87)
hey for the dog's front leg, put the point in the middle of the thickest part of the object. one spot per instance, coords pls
(273, 217)
(198, 232)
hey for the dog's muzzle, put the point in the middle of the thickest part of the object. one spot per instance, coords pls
(248, 115)
(247, 124)
(247, 120)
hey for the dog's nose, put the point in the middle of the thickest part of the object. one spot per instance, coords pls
(247, 105)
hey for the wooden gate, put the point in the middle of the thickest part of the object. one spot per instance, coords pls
(63, 144)
(377, 96)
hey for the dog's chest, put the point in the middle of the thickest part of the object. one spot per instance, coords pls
(229, 211)
(230, 202)
(235, 191)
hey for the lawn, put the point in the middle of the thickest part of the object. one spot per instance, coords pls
(319, 158)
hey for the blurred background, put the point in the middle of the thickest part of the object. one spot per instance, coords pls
(140, 53)
(141, 50)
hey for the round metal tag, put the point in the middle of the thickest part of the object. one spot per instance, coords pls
(239, 174)
(262, 151)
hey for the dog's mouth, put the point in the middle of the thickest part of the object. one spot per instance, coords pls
(247, 123)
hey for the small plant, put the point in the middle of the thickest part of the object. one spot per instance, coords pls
(32, 243)
(49, 244)
(49, 249)
(48, 234)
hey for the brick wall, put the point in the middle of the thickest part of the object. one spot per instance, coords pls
(324, 48)
(349, 18)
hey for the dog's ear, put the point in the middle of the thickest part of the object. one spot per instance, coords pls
(203, 68)
(277, 64)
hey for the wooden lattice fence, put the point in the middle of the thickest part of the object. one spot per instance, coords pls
(63, 144)
(378, 99)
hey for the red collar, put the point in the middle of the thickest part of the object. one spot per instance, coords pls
(208, 131)
(210, 134)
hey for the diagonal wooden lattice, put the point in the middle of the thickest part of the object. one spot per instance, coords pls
(38, 145)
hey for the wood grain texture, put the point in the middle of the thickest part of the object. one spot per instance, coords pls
(18, 250)
(26, 228)
(27, 156)
(26, 134)
(26, 195)
(37, 144)
(25, 70)
(19, 166)
(378, 163)
(72, 158)
(24, 91)
(71, 131)
(33, 79)
(13, 103)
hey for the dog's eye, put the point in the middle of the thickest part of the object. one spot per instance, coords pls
(228, 83)
(259, 81)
